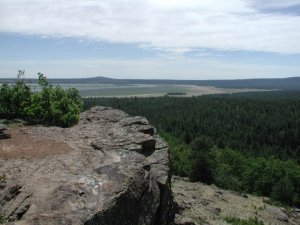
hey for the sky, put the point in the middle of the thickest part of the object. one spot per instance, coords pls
(150, 39)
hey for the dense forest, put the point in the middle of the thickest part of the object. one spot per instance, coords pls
(244, 142)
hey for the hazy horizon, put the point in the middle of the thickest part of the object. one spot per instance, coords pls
(105, 77)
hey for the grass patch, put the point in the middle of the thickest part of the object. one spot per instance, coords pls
(3, 219)
(274, 203)
(13, 122)
(2, 178)
(238, 221)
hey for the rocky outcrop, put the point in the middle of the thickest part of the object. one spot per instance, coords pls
(197, 203)
(109, 169)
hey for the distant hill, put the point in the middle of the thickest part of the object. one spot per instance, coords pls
(292, 83)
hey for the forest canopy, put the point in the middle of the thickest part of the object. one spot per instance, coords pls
(51, 105)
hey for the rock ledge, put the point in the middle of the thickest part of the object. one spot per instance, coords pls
(113, 169)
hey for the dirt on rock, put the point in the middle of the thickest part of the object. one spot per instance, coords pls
(23, 143)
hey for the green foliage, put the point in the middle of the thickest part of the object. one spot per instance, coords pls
(228, 167)
(15, 100)
(6, 96)
(65, 107)
(2, 179)
(269, 177)
(283, 190)
(3, 219)
(201, 159)
(51, 106)
(238, 221)
(21, 100)
(180, 155)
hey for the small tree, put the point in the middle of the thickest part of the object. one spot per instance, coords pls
(15, 100)
(201, 159)
(21, 99)
(283, 190)
(6, 105)
(56, 106)
(65, 106)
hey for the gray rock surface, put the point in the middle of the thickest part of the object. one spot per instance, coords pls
(111, 169)
(197, 203)
(279, 213)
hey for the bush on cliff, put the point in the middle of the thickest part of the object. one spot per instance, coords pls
(51, 106)
(15, 100)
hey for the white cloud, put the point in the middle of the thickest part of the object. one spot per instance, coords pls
(170, 25)
(275, 4)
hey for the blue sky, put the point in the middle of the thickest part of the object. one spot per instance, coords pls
(170, 39)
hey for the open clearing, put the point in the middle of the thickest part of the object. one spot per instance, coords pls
(144, 90)
(154, 90)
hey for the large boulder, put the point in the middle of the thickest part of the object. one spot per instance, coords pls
(115, 170)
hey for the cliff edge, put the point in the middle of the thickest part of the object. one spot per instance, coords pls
(109, 169)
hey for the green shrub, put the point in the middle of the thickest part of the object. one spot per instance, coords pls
(6, 96)
(3, 219)
(283, 190)
(51, 106)
(201, 159)
(2, 178)
(65, 106)
(238, 221)
(180, 155)
(15, 100)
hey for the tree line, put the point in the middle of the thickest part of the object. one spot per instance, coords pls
(244, 142)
